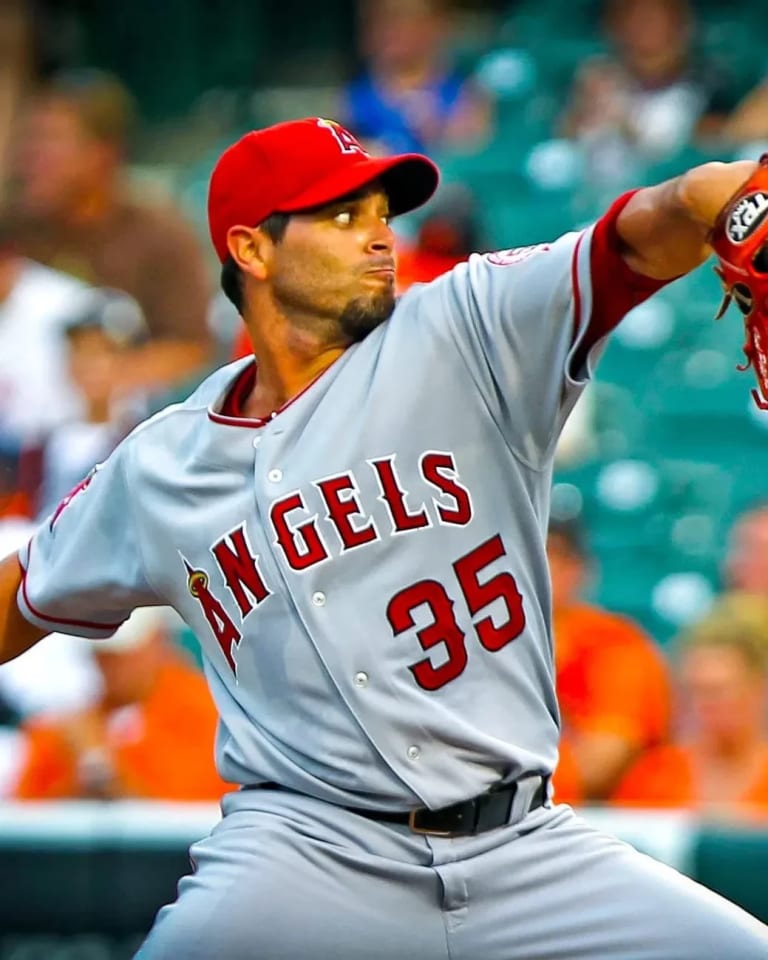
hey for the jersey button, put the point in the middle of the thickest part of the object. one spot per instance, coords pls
(256, 441)
(361, 679)
(413, 752)
(275, 476)
(318, 599)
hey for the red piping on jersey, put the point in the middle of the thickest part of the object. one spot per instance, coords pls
(235, 399)
(576, 289)
(42, 616)
(232, 407)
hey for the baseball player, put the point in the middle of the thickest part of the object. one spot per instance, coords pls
(353, 524)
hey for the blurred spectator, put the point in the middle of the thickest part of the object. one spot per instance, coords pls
(71, 209)
(447, 235)
(750, 610)
(611, 680)
(56, 675)
(748, 122)
(36, 393)
(99, 340)
(15, 68)
(719, 761)
(644, 101)
(145, 738)
(746, 561)
(408, 97)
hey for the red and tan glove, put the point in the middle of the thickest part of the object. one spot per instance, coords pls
(739, 239)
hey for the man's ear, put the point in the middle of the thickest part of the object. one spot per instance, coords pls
(251, 249)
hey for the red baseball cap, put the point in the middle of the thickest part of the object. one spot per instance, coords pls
(299, 164)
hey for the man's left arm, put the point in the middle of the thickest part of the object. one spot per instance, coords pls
(663, 229)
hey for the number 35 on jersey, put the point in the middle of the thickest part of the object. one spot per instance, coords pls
(304, 540)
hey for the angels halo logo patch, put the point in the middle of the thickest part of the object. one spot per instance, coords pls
(748, 213)
(505, 258)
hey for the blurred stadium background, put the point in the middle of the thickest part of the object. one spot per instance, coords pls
(665, 452)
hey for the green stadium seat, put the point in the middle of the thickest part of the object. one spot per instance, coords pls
(618, 419)
(732, 861)
(639, 345)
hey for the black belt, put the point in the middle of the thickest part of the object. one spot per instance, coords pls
(487, 811)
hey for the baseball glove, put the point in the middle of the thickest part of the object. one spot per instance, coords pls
(739, 239)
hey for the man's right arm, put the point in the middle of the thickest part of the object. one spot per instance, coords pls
(16, 633)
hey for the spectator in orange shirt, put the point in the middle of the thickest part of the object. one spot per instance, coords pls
(719, 762)
(145, 738)
(612, 682)
(446, 236)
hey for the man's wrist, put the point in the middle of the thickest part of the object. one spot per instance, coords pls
(704, 191)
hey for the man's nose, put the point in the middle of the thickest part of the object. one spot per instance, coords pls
(382, 239)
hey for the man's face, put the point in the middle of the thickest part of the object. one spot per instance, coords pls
(94, 363)
(402, 33)
(723, 696)
(747, 560)
(651, 28)
(56, 160)
(333, 272)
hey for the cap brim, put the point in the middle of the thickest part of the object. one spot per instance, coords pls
(409, 179)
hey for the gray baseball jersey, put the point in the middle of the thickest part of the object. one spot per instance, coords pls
(366, 572)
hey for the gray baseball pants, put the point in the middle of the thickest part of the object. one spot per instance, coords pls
(286, 877)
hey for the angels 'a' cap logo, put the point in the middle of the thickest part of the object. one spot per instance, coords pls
(746, 216)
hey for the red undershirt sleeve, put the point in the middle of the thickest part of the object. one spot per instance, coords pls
(616, 287)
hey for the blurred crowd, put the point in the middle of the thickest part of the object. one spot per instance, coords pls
(109, 309)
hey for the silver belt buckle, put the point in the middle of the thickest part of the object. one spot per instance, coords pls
(424, 831)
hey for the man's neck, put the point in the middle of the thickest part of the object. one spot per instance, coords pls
(288, 363)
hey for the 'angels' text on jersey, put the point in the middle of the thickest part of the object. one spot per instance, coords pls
(304, 539)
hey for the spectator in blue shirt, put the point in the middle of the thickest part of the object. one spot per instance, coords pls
(408, 96)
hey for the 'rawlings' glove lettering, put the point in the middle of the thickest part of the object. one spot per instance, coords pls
(740, 241)
(746, 216)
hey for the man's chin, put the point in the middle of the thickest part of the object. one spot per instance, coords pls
(362, 315)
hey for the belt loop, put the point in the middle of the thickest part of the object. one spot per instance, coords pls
(494, 809)
(523, 798)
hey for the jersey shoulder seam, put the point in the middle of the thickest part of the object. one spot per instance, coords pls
(172, 410)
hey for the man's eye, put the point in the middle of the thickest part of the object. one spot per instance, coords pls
(343, 217)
